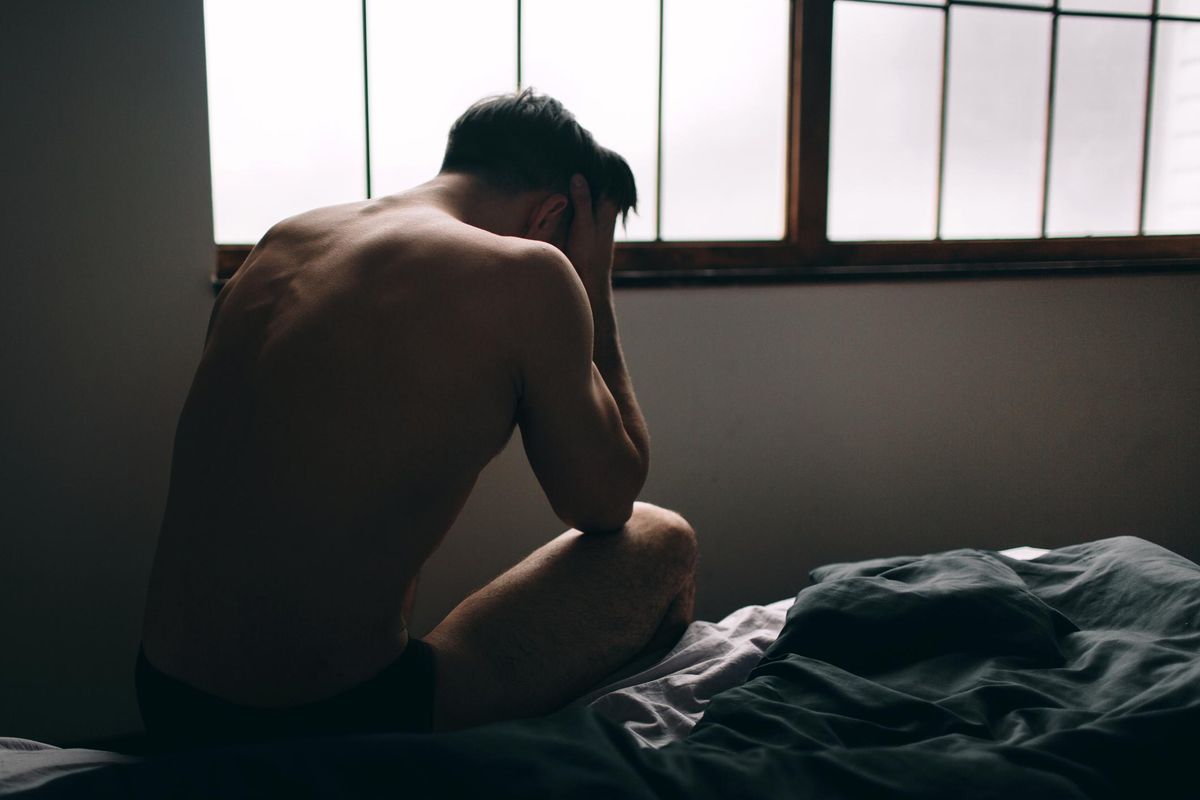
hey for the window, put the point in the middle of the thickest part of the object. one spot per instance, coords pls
(770, 139)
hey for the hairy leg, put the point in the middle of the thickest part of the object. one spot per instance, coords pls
(678, 616)
(566, 616)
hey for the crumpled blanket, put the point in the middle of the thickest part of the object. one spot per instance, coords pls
(1075, 676)
(662, 703)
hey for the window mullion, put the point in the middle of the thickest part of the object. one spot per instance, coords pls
(1147, 112)
(366, 100)
(808, 121)
(658, 156)
(941, 164)
(1050, 91)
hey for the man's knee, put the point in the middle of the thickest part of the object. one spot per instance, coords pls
(671, 534)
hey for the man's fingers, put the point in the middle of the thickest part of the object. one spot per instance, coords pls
(589, 243)
(581, 196)
(606, 215)
(605, 218)
(583, 228)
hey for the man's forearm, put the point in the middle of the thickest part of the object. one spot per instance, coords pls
(589, 247)
(606, 353)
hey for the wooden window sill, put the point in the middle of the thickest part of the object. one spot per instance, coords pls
(683, 263)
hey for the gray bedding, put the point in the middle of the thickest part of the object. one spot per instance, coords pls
(949, 675)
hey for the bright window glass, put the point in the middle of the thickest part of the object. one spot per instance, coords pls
(1173, 178)
(1119, 6)
(885, 119)
(285, 107)
(613, 96)
(995, 123)
(1179, 8)
(420, 81)
(724, 119)
(1096, 150)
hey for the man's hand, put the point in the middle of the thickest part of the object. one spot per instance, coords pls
(590, 240)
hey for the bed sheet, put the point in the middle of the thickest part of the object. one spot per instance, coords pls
(27, 765)
(661, 702)
(657, 702)
(937, 676)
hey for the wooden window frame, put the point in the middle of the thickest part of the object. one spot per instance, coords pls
(805, 253)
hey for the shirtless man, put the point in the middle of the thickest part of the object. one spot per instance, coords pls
(360, 370)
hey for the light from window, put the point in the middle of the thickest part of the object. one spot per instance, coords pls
(1117, 6)
(426, 63)
(724, 126)
(999, 72)
(1180, 8)
(285, 110)
(292, 86)
(1173, 182)
(1043, 127)
(601, 61)
(884, 122)
(1096, 149)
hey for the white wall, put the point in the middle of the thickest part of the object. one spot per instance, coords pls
(793, 425)
(796, 425)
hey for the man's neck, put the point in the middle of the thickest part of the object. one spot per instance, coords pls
(471, 200)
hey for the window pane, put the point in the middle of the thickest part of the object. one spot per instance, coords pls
(724, 119)
(615, 98)
(1120, 6)
(996, 123)
(887, 95)
(1173, 189)
(1179, 8)
(285, 110)
(420, 82)
(1100, 101)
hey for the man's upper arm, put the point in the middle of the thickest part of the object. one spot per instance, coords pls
(570, 424)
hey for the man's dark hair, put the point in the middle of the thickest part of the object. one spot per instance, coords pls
(527, 141)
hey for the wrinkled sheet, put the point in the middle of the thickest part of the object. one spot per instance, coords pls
(27, 765)
(657, 704)
(661, 704)
(950, 675)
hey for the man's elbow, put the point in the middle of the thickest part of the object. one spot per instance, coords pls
(600, 520)
(598, 513)
(610, 504)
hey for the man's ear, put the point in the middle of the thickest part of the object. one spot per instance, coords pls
(546, 218)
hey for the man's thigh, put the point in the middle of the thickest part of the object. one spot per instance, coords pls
(569, 614)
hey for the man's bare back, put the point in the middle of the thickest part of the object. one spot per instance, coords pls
(360, 370)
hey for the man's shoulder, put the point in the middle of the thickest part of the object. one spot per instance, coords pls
(536, 259)
(438, 238)
(545, 301)
(540, 274)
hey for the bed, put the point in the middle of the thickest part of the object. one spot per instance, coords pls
(1070, 673)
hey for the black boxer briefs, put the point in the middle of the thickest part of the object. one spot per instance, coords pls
(399, 698)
